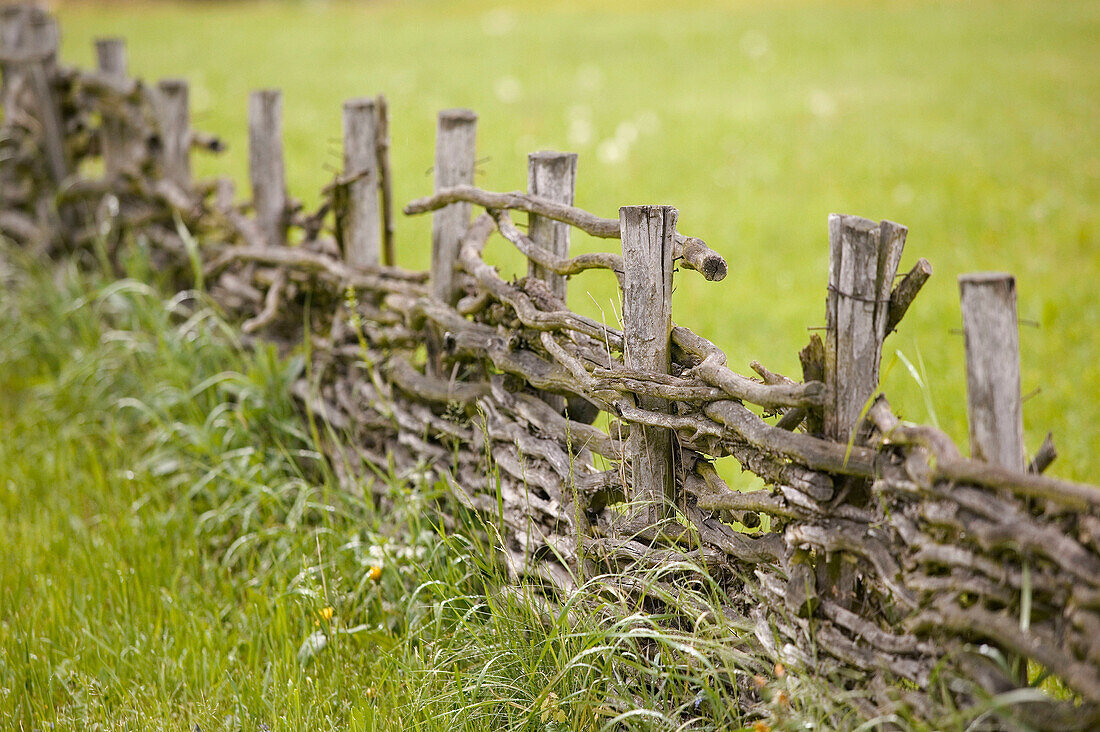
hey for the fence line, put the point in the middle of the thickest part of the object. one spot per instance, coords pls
(884, 552)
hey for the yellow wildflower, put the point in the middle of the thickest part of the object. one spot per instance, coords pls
(375, 573)
(326, 613)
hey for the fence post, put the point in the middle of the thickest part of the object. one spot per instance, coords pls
(455, 155)
(992, 337)
(265, 163)
(29, 31)
(382, 148)
(111, 61)
(647, 234)
(362, 224)
(551, 175)
(175, 130)
(14, 37)
(863, 259)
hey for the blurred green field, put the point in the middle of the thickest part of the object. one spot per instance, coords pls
(975, 124)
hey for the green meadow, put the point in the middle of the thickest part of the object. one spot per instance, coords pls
(170, 541)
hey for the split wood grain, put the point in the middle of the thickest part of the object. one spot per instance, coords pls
(863, 259)
(648, 233)
(265, 164)
(174, 109)
(455, 157)
(992, 338)
(553, 176)
(362, 225)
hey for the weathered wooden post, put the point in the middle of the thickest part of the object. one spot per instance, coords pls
(31, 35)
(455, 157)
(551, 175)
(265, 163)
(648, 233)
(863, 259)
(362, 224)
(175, 131)
(993, 368)
(14, 32)
(382, 148)
(118, 153)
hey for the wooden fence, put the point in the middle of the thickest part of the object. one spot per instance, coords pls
(877, 553)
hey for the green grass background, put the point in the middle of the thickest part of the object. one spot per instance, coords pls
(976, 124)
(168, 536)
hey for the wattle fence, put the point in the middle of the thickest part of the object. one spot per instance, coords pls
(877, 555)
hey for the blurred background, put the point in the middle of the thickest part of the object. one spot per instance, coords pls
(976, 124)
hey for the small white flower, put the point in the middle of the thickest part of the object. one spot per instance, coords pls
(590, 78)
(822, 104)
(508, 89)
(627, 133)
(580, 132)
(611, 151)
(903, 194)
(754, 44)
(648, 121)
(498, 22)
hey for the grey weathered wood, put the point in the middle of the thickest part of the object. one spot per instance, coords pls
(46, 37)
(45, 40)
(863, 259)
(382, 148)
(690, 253)
(1044, 456)
(362, 227)
(265, 163)
(175, 130)
(455, 156)
(118, 151)
(993, 368)
(553, 176)
(111, 57)
(906, 291)
(14, 30)
(648, 233)
(31, 35)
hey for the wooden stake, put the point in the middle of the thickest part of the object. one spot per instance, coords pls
(648, 233)
(863, 259)
(265, 163)
(553, 176)
(455, 155)
(382, 148)
(362, 229)
(14, 32)
(175, 131)
(111, 60)
(993, 368)
(29, 33)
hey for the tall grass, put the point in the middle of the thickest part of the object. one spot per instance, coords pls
(178, 554)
